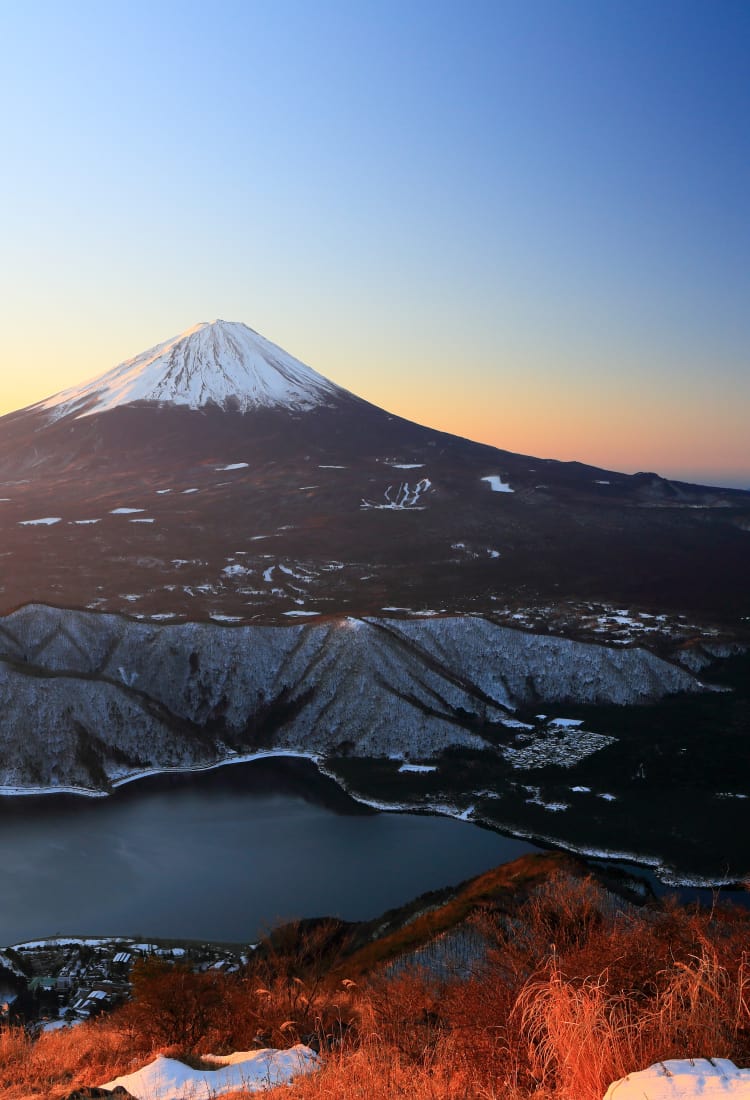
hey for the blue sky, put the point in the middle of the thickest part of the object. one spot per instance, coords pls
(524, 222)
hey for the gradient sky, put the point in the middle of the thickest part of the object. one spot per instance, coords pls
(525, 222)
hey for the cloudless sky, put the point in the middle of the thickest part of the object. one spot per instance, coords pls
(525, 222)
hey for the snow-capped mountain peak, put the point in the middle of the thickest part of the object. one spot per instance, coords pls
(216, 362)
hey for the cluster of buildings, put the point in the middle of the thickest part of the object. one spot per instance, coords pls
(48, 984)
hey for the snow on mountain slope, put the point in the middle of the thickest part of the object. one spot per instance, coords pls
(213, 362)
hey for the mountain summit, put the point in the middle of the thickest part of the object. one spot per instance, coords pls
(225, 363)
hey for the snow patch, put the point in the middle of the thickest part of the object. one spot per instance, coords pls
(47, 521)
(402, 498)
(418, 768)
(125, 511)
(497, 484)
(253, 1070)
(684, 1079)
(234, 466)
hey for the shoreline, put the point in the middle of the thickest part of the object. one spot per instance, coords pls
(666, 875)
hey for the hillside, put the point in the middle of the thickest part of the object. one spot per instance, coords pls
(533, 980)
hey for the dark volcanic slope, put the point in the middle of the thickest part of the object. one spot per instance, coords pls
(342, 508)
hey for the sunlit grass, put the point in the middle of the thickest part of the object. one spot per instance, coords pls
(571, 991)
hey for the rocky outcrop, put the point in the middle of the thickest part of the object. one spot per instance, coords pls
(87, 699)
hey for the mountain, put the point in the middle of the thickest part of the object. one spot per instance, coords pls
(211, 553)
(214, 475)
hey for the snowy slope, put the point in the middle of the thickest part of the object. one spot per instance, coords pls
(216, 361)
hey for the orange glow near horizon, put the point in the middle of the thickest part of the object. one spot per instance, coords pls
(538, 409)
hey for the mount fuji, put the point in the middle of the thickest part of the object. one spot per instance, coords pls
(212, 552)
(217, 475)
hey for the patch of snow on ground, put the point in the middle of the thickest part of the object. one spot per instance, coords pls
(418, 768)
(497, 484)
(535, 799)
(253, 1070)
(236, 570)
(407, 465)
(608, 797)
(684, 1079)
(185, 491)
(600, 482)
(297, 576)
(402, 498)
(225, 618)
(333, 467)
(84, 522)
(125, 511)
(47, 521)
(300, 614)
(234, 466)
(581, 790)
(161, 492)
(140, 521)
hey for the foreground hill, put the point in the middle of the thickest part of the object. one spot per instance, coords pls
(532, 980)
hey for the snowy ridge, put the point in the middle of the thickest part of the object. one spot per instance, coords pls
(216, 362)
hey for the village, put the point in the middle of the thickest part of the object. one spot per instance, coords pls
(56, 983)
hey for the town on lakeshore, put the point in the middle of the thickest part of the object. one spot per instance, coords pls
(60, 982)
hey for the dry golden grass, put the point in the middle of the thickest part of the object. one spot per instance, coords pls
(572, 994)
(59, 1061)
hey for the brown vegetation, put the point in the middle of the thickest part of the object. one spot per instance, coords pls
(569, 992)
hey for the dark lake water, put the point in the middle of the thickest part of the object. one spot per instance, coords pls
(221, 855)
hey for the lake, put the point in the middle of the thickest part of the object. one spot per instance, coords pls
(222, 855)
